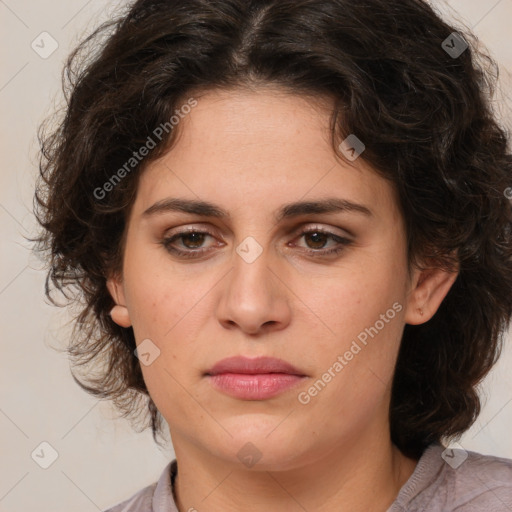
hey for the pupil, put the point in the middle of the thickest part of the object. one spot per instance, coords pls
(193, 235)
(315, 236)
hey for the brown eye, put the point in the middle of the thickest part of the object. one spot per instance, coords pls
(191, 242)
(317, 240)
(196, 239)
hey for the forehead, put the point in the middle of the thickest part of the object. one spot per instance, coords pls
(265, 146)
(241, 120)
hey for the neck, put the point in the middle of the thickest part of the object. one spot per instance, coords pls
(339, 480)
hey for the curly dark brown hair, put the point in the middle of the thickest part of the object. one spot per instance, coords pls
(401, 79)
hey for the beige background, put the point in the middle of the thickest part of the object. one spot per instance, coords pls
(100, 459)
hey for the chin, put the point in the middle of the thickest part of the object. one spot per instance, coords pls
(262, 447)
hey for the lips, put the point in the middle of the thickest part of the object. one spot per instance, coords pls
(261, 378)
(259, 365)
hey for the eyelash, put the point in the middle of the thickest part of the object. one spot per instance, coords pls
(344, 242)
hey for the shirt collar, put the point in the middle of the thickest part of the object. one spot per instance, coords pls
(163, 500)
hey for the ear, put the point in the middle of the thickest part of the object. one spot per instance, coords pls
(429, 288)
(119, 312)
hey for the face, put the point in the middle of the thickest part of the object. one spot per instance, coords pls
(325, 290)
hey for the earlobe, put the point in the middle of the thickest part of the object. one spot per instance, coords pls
(119, 312)
(432, 286)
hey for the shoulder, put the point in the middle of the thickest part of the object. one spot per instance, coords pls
(156, 497)
(458, 480)
(142, 501)
(480, 481)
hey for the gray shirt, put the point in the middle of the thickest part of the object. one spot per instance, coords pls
(443, 481)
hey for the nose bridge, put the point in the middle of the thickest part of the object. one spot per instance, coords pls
(252, 296)
(251, 278)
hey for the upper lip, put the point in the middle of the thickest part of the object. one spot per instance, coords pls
(241, 364)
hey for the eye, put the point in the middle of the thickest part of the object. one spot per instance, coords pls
(192, 240)
(318, 238)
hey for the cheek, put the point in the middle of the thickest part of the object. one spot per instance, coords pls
(157, 297)
(350, 302)
(172, 312)
(358, 338)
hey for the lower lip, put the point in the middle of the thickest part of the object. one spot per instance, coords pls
(254, 387)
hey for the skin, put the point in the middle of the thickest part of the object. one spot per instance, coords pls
(251, 152)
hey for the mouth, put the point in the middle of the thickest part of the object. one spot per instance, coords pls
(255, 366)
(253, 379)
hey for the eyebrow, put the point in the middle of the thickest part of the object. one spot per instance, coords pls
(207, 209)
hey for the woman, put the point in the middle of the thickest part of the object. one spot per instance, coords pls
(290, 228)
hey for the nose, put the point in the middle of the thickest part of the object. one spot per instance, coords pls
(254, 297)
